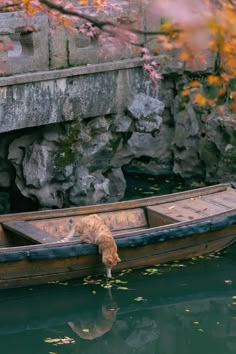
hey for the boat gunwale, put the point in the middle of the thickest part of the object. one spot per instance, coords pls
(117, 206)
(126, 234)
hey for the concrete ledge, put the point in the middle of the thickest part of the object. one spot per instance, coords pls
(75, 71)
(43, 98)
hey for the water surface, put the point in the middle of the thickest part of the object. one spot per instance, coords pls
(182, 307)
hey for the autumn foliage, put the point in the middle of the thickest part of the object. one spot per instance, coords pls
(195, 29)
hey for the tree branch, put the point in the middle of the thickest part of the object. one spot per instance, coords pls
(103, 25)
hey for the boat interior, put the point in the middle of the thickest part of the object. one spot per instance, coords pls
(130, 217)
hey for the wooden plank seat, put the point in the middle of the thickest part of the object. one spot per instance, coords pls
(29, 232)
(192, 208)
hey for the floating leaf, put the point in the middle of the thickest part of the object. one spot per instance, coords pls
(178, 265)
(122, 288)
(118, 281)
(108, 286)
(139, 298)
(200, 330)
(60, 341)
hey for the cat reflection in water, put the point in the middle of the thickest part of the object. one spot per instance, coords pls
(91, 329)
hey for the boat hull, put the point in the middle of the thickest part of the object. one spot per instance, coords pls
(39, 271)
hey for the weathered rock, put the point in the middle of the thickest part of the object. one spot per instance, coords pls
(156, 146)
(6, 173)
(143, 107)
(121, 124)
(100, 151)
(149, 125)
(210, 156)
(99, 124)
(89, 188)
(186, 125)
(186, 160)
(4, 203)
(117, 185)
(166, 93)
(227, 165)
(17, 149)
(38, 169)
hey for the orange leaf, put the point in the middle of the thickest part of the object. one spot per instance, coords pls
(200, 99)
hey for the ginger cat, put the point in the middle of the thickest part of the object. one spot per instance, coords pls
(92, 229)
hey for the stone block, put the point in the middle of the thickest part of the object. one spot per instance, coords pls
(58, 53)
(203, 64)
(29, 39)
(83, 51)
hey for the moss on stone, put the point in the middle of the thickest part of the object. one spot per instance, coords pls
(68, 150)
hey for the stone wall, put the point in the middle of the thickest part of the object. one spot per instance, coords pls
(96, 121)
(83, 161)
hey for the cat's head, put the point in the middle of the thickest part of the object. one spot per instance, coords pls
(110, 260)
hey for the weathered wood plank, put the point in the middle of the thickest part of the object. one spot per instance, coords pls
(116, 221)
(226, 198)
(196, 208)
(28, 231)
(47, 214)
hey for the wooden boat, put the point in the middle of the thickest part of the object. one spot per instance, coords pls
(147, 231)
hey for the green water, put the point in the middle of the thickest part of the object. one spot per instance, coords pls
(178, 308)
(147, 186)
(183, 307)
